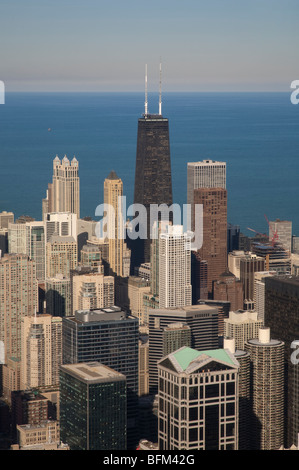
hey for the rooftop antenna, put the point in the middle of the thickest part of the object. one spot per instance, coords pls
(145, 104)
(160, 91)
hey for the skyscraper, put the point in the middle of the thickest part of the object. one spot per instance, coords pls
(64, 191)
(113, 192)
(92, 407)
(267, 359)
(110, 337)
(175, 288)
(205, 174)
(214, 244)
(153, 170)
(198, 400)
(41, 351)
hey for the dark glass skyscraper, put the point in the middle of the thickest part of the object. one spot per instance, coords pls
(152, 174)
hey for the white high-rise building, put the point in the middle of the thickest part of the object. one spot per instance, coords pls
(259, 292)
(62, 224)
(205, 174)
(175, 288)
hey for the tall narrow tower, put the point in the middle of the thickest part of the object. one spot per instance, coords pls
(153, 168)
(64, 192)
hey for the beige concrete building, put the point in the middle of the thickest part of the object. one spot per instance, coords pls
(64, 191)
(6, 218)
(137, 287)
(61, 256)
(242, 325)
(41, 351)
(90, 289)
(118, 251)
(43, 436)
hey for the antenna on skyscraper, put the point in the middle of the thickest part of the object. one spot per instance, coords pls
(145, 104)
(160, 91)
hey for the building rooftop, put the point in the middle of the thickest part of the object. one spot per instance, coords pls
(93, 372)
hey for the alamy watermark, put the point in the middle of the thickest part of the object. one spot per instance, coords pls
(295, 93)
(2, 93)
(132, 222)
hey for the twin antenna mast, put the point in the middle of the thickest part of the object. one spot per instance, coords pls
(160, 92)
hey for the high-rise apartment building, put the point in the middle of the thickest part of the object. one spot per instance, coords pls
(214, 226)
(61, 256)
(41, 351)
(249, 265)
(18, 299)
(198, 400)
(58, 296)
(259, 292)
(93, 407)
(267, 360)
(17, 238)
(115, 226)
(36, 247)
(137, 288)
(62, 224)
(90, 289)
(64, 192)
(175, 288)
(202, 320)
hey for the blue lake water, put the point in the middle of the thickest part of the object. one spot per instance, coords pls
(257, 134)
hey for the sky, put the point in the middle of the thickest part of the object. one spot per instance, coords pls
(101, 45)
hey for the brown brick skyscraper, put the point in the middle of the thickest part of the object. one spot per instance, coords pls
(214, 246)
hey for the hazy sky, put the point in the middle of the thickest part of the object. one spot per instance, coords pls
(103, 45)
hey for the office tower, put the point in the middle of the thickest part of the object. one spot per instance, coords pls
(233, 261)
(17, 238)
(267, 360)
(205, 174)
(241, 326)
(243, 358)
(90, 289)
(36, 247)
(3, 241)
(175, 336)
(111, 337)
(137, 287)
(223, 307)
(143, 372)
(115, 224)
(6, 218)
(175, 268)
(62, 224)
(214, 245)
(18, 299)
(153, 183)
(64, 191)
(259, 292)
(58, 296)
(280, 231)
(202, 320)
(281, 316)
(102, 244)
(61, 256)
(228, 288)
(233, 235)
(92, 407)
(276, 258)
(249, 265)
(198, 395)
(41, 351)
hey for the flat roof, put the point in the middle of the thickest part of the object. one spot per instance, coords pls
(92, 372)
